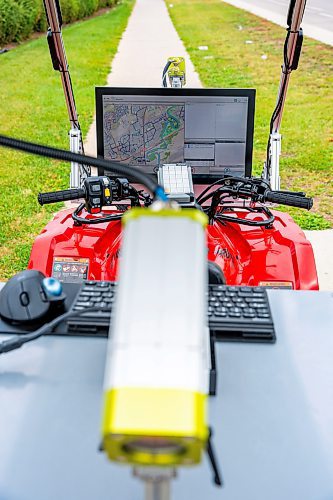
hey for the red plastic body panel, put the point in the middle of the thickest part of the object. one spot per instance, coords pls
(247, 255)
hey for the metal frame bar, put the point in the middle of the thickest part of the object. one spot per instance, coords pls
(295, 16)
(59, 60)
(55, 21)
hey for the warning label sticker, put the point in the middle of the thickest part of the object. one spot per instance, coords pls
(276, 284)
(70, 269)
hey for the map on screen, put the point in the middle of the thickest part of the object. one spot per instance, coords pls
(144, 134)
(211, 130)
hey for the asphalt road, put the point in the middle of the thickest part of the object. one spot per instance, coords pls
(319, 13)
(317, 21)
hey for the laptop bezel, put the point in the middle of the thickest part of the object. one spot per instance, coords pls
(140, 91)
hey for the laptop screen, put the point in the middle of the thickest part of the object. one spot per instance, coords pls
(210, 130)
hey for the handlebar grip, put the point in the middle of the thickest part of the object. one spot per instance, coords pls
(289, 199)
(57, 196)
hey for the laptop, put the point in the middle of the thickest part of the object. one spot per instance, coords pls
(211, 130)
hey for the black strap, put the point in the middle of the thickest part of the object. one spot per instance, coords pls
(213, 462)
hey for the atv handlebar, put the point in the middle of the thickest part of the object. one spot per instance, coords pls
(291, 200)
(257, 191)
(64, 195)
(99, 192)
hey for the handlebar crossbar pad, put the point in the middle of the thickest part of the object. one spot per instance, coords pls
(57, 196)
(289, 199)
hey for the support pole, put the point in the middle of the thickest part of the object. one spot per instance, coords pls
(295, 16)
(59, 61)
(292, 50)
(157, 481)
(157, 490)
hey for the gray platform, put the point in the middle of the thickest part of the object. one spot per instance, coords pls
(273, 417)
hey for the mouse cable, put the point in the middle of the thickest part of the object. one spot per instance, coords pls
(18, 340)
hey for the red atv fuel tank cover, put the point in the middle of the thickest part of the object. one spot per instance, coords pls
(247, 255)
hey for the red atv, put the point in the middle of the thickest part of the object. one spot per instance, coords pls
(247, 242)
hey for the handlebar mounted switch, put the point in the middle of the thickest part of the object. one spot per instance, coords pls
(122, 188)
(98, 193)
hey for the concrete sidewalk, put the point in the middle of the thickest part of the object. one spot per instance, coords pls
(150, 38)
(322, 244)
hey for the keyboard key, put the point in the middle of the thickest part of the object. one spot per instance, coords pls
(82, 304)
(83, 298)
(95, 300)
(90, 294)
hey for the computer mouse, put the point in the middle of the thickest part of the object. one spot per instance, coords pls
(26, 297)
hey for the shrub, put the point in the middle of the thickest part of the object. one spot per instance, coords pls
(41, 24)
(9, 20)
(19, 18)
(106, 3)
(29, 13)
(70, 10)
(86, 7)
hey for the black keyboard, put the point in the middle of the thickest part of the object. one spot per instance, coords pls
(235, 313)
(240, 313)
(91, 294)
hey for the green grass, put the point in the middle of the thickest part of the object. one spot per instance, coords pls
(307, 127)
(32, 107)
